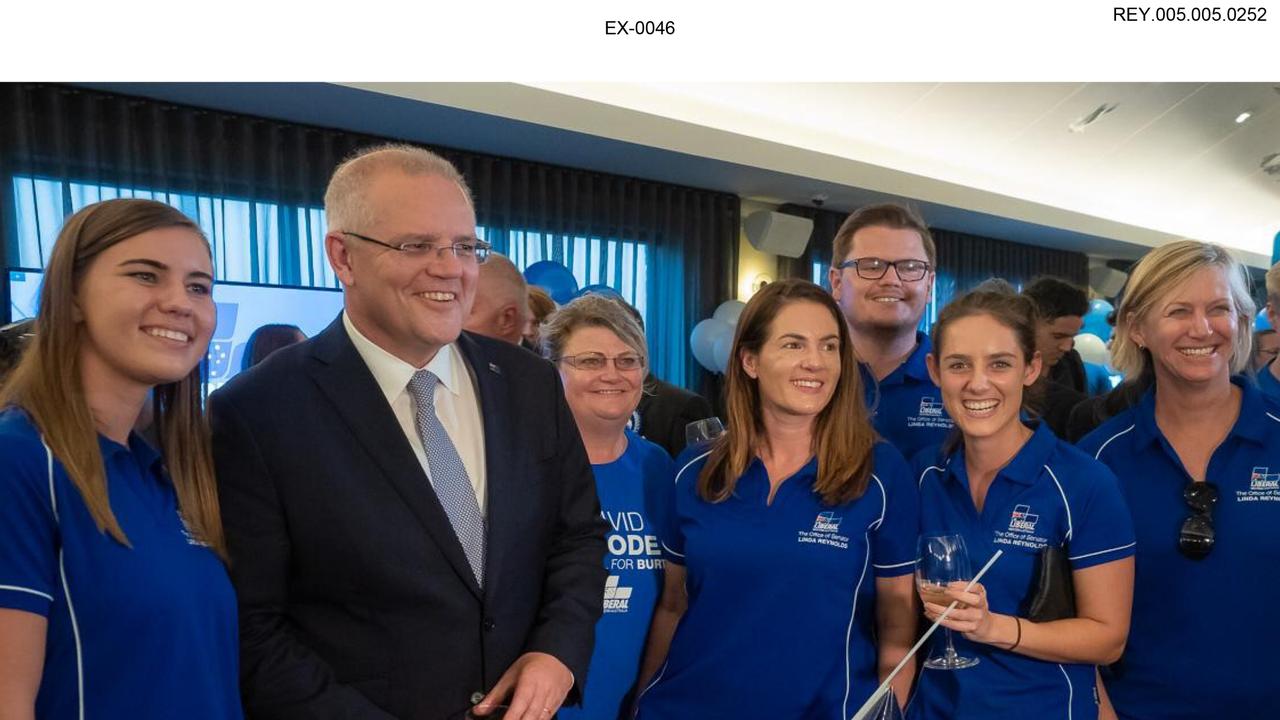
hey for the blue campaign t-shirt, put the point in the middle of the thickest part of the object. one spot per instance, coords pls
(1267, 381)
(632, 492)
(1203, 637)
(1049, 494)
(781, 616)
(906, 407)
(142, 632)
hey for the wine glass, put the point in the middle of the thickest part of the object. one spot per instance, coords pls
(700, 431)
(941, 560)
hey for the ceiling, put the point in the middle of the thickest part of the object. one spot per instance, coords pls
(1169, 160)
(995, 159)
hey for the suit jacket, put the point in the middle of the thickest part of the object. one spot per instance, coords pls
(356, 600)
(664, 412)
(1055, 404)
(1069, 371)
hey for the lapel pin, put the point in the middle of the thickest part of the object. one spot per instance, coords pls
(495, 369)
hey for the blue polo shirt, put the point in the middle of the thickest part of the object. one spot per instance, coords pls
(1050, 493)
(1204, 637)
(781, 615)
(1267, 382)
(142, 632)
(632, 490)
(906, 407)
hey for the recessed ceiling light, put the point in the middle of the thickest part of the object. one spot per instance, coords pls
(1243, 116)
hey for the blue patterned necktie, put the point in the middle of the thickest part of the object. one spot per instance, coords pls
(448, 474)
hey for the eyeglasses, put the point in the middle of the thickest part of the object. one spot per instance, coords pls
(595, 362)
(874, 268)
(477, 249)
(1195, 540)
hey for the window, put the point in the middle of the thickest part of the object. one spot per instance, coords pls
(265, 243)
(253, 242)
(621, 264)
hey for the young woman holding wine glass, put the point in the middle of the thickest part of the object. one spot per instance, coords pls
(1004, 484)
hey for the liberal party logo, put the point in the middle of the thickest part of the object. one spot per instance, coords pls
(1023, 520)
(1261, 479)
(827, 522)
(616, 597)
(930, 407)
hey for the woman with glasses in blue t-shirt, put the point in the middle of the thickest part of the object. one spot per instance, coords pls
(601, 353)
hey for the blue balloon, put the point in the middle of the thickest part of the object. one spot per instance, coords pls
(1100, 306)
(703, 339)
(721, 352)
(553, 277)
(1262, 323)
(1094, 325)
(601, 290)
(729, 311)
(1095, 320)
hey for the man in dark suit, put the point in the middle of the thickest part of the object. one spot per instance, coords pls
(665, 411)
(404, 542)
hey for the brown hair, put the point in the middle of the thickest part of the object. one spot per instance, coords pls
(888, 215)
(540, 304)
(592, 310)
(47, 383)
(843, 438)
(998, 300)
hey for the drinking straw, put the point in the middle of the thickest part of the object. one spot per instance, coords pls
(884, 687)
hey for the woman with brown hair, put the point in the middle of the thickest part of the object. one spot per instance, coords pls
(791, 539)
(114, 600)
(1006, 484)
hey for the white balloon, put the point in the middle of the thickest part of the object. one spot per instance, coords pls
(1093, 349)
(729, 311)
(702, 341)
(721, 351)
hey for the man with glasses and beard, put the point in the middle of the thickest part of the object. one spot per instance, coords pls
(881, 275)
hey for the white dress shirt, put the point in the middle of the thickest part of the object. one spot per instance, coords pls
(457, 404)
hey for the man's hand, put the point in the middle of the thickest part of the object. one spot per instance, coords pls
(537, 684)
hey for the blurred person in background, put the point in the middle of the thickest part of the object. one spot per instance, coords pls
(501, 309)
(540, 308)
(268, 339)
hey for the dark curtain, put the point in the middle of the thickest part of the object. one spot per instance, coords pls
(88, 136)
(965, 260)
